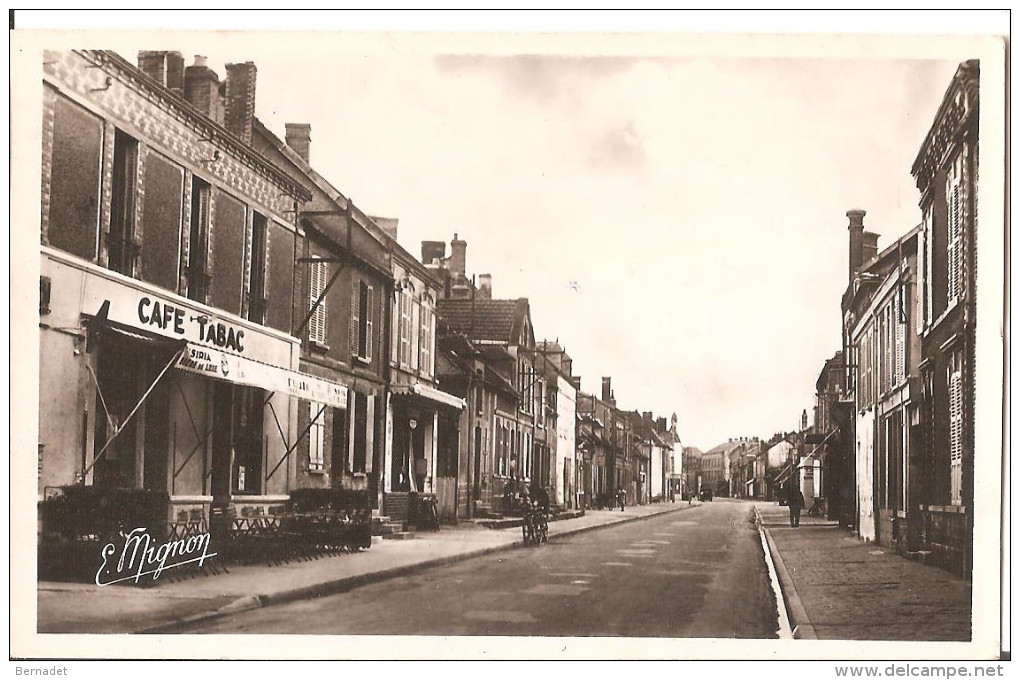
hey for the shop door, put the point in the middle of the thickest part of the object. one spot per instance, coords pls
(222, 442)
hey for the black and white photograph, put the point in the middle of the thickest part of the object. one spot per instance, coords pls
(434, 344)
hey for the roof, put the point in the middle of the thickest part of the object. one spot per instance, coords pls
(484, 319)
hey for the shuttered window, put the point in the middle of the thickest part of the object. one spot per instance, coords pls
(122, 242)
(318, 274)
(956, 428)
(316, 436)
(198, 272)
(362, 327)
(900, 337)
(256, 293)
(425, 339)
(955, 245)
(75, 179)
(354, 328)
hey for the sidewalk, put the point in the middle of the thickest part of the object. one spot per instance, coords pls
(82, 607)
(838, 587)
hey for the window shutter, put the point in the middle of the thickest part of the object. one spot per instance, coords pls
(395, 330)
(75, 178)
(423, 339)
(955, 432)
(369, 431)
(369, 302)
(317, 274)
(355, 323)
(352, 407)
(900, 326)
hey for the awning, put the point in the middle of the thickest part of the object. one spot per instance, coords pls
(430, 393)
(219, 365)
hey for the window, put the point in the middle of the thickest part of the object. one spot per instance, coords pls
(316, 436)
(198, 273)
(362, 433)
(75, 175)
(279, 287)
(956, 428)
(122, 244)
(900, 336)
(318, 274)
(361, 328)
(256, 310)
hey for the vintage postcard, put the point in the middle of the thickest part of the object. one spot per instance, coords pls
(472, 345)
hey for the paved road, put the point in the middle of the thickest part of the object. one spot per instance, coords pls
(698, 573)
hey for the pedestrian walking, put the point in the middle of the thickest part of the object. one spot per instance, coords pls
(794, 499)
(621, 497)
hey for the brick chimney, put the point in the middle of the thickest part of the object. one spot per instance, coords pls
(433, 252)
(458, 256)
(239, 104)
(856, 240)
(299, 138)
(575, 381)
(202, 89)
(485, 285)
(607, 389)
(166, 68)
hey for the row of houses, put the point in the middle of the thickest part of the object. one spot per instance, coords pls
(220, 323)
(890, 452)
(893, 437)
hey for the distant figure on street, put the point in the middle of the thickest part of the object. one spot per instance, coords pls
(621, 497)
(795, 499)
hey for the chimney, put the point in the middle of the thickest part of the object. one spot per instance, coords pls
(202, 89)
(647, 417)
(485, 285)
(239, 107)
(575, 381)
(387, 224)
(607, 389)
(458, 256)
(661, 423)
(856, 240)
(166, 68)
(299, 137)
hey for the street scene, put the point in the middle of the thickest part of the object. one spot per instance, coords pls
(608, 346)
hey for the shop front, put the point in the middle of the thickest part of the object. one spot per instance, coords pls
(142, 389)
(419, 461)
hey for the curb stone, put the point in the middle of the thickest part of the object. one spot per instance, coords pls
(346, 583)
(799, 622)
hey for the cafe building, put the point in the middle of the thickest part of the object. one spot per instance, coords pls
(167, 360)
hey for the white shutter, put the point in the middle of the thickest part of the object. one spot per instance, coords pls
(352, 406)
(367, 321)
(899, 318)
(955, 431)
(369, 431)
(355, 322)
(317, 274)
(395, 330)
(316, 435)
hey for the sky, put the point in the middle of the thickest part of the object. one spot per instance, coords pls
(676, 218)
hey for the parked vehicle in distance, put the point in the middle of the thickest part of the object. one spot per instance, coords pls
(706, 495)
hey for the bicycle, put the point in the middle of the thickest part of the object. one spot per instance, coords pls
(535, 528)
